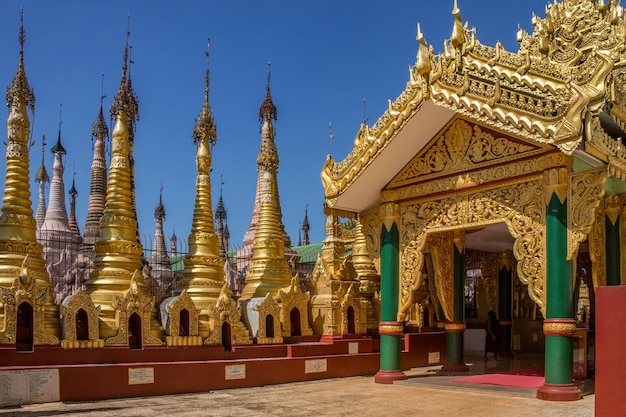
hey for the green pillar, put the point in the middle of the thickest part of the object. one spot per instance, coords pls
(612, 252)
(454, 329)
(505, 302)
(559, 324)
(389, 328)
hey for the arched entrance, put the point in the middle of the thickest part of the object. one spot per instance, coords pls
(24, 332)
(351, 320)
(294, 318)
(183, 327)
(269, 326)
(134, 331)
(82, 325)
(227, 340)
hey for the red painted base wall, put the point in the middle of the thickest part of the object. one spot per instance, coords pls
(98, 374)
(610, 391)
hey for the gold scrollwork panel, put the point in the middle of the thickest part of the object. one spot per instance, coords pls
(585, 195)
(517, 204)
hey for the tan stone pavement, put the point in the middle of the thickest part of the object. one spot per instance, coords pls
(356, 396)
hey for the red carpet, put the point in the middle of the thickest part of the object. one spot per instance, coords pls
(518, 381)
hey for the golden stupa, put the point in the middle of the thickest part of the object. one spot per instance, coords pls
(17, 225)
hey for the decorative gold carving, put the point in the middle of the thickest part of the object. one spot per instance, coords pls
(440, 247)
(25, 289)
(454, 327)
(555, 182)
(461, 145)
(390, 328)
(176, 333)
(390, 214)
(474, 177)
(559, 328)
(520, 207)
(134, 300)
(269, 307)
(597, 246)
(488, 263)
(226, 310)
(290, 298)
(585, 194)
(612, 207)
(71, 321)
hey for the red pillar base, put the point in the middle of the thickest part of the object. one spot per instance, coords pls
(558, 392)
(453, 369)
(387, 377)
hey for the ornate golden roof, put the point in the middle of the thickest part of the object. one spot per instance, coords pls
(571, 67)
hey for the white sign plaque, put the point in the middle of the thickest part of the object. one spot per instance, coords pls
(433, 358)
(29, 386)
(353, 348)
(235, 372)
(312, 366)
(140, 376)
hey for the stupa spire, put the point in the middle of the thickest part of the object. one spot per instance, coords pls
(222, 227)
(17, 224)
(159, 261)
(267, 168)
(56, 215)
(268, 270)
(98, 184)
(42, 178)
(203, 276)
(306, 226)
(118, 252)
(72, 219)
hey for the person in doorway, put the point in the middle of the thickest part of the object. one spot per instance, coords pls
(492, 336)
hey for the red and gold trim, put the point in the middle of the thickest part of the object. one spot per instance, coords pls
(390, 328)
(455, 327)
(559, 327)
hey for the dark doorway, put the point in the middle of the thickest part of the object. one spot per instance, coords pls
(294, 318)
(351, 321)
(183, 327)
(269, 326)
(24, 332)
(226, 337)
(134, 331)
(82, 325)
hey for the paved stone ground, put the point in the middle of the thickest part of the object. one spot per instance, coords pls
(357, 396)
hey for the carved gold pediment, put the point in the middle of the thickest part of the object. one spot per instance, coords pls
(463, 146)
(134, 301)
(226, 310)
(290, 298)
(25, 290)
(69, 309)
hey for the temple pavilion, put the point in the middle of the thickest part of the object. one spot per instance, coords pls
(495, 181)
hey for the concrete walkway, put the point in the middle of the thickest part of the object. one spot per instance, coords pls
(357, 396)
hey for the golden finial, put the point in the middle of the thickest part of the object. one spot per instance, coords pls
(455, 8)
(422, 64)
(205, 127)
(19, 87)
(268, 109)
(458, 35)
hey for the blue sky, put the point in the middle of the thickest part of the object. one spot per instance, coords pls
(326, 58)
